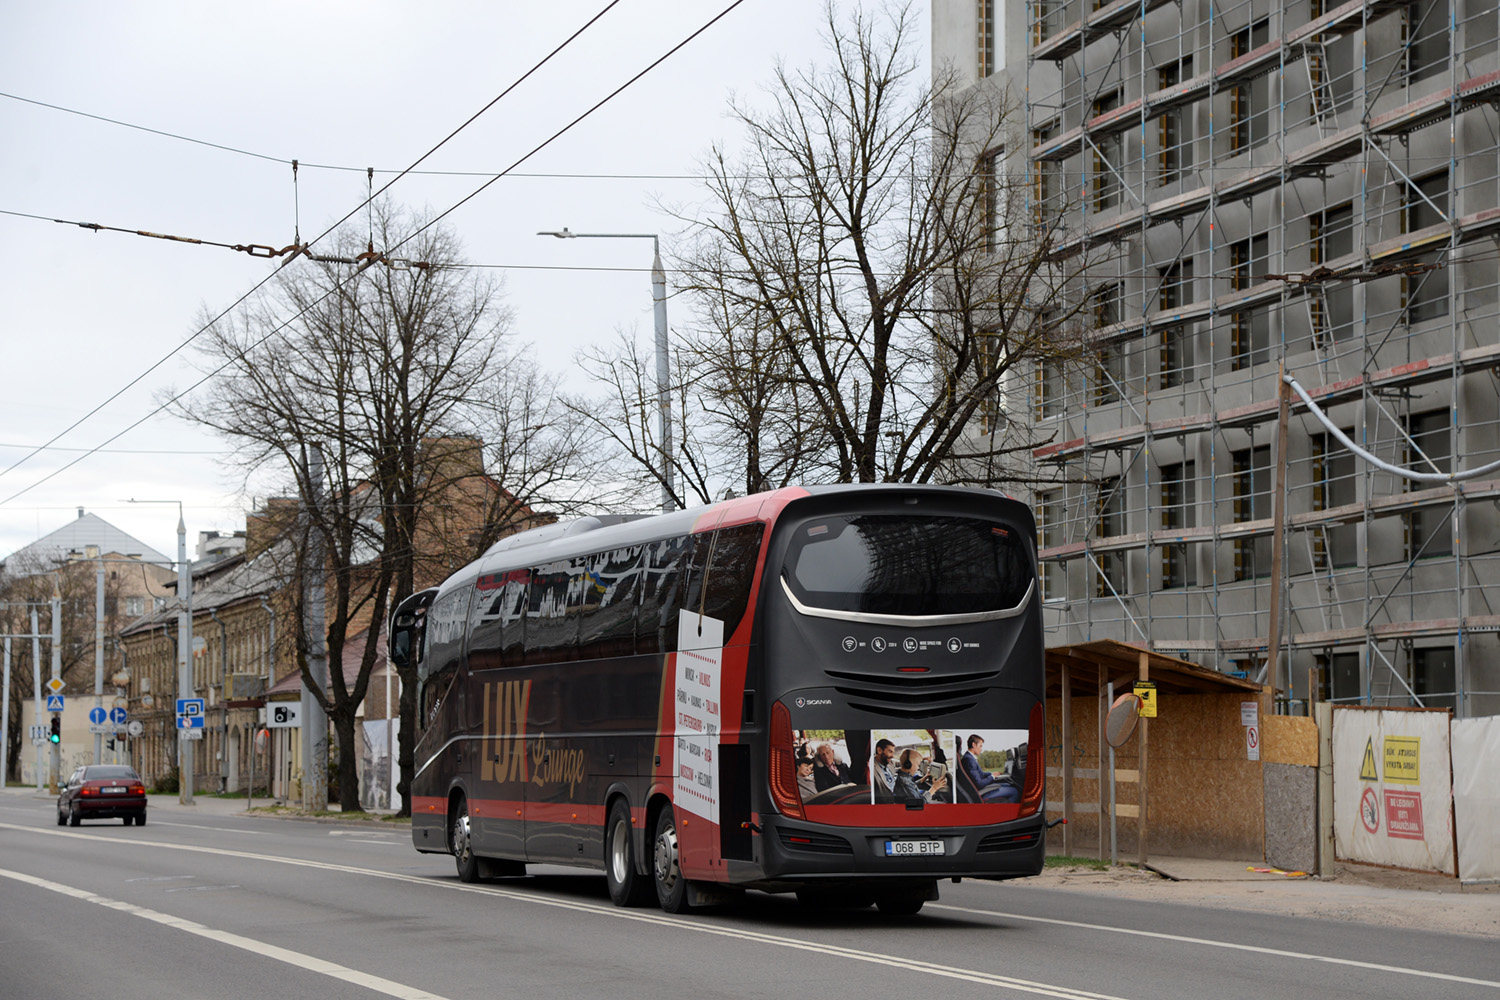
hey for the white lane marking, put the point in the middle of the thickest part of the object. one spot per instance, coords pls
(611, 911)
(378, 843)
(200, 888)
(614, 913)
(296, 958)
(160, 878)
(1232, 946)
(216, 829)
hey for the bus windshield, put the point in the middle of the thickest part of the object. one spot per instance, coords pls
(898, 564)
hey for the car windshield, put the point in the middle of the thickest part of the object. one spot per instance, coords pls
(104, 771)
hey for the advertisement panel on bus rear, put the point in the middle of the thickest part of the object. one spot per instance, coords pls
(904, 766)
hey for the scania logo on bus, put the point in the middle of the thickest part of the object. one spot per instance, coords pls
(806, 702)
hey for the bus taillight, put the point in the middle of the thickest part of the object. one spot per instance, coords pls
(783, 764)
(1036, 761)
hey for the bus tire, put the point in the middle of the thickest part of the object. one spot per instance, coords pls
(903, 904)
(461, 843)
(671, 886)
(627, 887)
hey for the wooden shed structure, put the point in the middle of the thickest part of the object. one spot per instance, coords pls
(1187, 782)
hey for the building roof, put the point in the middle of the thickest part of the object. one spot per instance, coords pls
(354, 651)
(1120, 662)
(76, 537)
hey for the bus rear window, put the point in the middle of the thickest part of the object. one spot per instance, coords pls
(894, 564)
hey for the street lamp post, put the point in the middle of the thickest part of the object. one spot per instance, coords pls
(659, 304)
(184, 651)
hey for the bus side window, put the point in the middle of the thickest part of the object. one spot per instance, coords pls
(607, 624)
(736, 551)
(445, 629)
(656, 619)
(486, 623)
(552, 612)
(513, 604)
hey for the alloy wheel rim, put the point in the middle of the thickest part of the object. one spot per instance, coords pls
(666, 859)
(461, 837)
(619, 851)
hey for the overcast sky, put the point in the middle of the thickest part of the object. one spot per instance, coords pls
(338, 84)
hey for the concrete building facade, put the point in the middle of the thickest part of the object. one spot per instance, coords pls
(1260, 187)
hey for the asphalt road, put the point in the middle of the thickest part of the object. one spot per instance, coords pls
(209, 904)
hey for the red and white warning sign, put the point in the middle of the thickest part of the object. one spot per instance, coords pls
(1252, 742)
(1403, 814)
(1369, 810)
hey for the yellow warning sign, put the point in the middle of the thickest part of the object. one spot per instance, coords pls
(1367, 770)
(1146, 691)
(1403, 754)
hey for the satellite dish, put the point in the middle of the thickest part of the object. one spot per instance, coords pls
(1119, 724)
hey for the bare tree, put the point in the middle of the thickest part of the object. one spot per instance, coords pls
(392, 372)
(869, 284)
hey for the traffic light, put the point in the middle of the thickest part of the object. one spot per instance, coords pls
(54, 734)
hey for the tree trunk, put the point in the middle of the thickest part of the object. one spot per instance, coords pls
(343, 727)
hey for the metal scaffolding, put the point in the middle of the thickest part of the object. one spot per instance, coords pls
(1275, 183)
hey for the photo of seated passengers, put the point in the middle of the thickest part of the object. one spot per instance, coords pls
(832, 765)
(807, 785)
(910, 765)
(828, 770)
(993, 775)
(913, 784)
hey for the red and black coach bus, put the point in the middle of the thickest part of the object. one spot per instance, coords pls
(833, 690)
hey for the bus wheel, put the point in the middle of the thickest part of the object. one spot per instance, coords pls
(462, 844)
(671, 887)
(627, 887)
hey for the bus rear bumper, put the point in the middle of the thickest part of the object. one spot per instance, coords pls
(790, 852)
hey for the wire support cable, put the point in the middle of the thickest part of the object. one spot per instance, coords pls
(260, 284)
(339, 285)
(1380, 463)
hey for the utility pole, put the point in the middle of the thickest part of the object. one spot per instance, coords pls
(99, 654)
(184, 660)
(5, 719)
(36, 686)
(314, 720)
(56, 674)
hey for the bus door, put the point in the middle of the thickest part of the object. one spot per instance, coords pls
(709, 683)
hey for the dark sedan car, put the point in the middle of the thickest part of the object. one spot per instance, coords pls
(103, 791)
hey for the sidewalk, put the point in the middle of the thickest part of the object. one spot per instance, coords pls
(1354, 893)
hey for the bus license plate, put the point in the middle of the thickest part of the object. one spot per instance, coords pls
(912, 848)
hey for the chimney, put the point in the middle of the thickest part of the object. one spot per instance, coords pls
(80, 513)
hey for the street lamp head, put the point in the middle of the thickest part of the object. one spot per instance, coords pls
(563, 234)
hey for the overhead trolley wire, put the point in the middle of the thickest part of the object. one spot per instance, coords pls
(259, 284)
(271, 333)
(290, 161)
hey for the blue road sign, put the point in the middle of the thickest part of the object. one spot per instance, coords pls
(189, 713)
(54, 703)
(96, 715)
(117, 716)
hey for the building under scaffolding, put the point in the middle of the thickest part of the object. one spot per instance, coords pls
(1258, 185)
